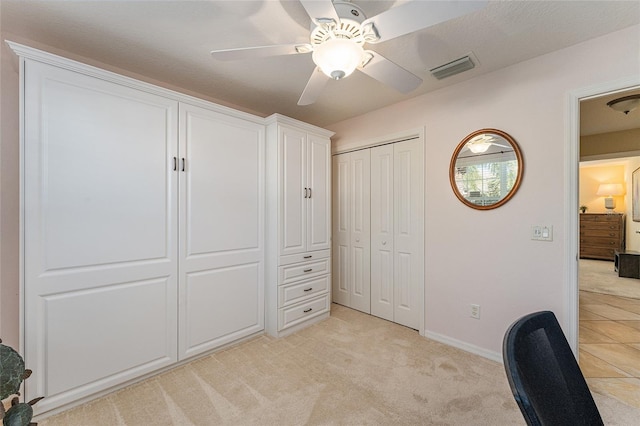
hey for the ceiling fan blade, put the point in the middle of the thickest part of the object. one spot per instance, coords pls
(416, 15)
(260, 51)
(314, 87)
(390, 73)
(321, 11)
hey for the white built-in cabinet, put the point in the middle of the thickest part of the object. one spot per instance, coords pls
(142, 227)
(298, 262)
(378, 228)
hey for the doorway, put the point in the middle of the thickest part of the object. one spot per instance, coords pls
(608, 305)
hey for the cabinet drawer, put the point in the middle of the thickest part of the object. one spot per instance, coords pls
(298, 292)
(296, 314)
(607, 233)
(601, 226)
(291, 273)
(304, 257)
(600, 218)
(600, 242)
(597, 253)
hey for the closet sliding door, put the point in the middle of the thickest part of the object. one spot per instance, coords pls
(379, 231)
(408, 232)
(382, 232)
(351, 236)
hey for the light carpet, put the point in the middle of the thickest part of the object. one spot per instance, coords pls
(351, 369)
(599, 276)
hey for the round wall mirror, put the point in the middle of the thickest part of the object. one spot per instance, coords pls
(486, 169)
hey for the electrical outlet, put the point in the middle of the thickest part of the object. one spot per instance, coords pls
(475, 311)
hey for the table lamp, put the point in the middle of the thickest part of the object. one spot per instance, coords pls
(609, 190)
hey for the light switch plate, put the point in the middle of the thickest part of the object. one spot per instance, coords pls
(542, 232)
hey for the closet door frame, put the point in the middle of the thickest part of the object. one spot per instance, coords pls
(417, 134)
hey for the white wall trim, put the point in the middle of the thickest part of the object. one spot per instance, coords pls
(69, 64)
(381, 140)
(477, 350)
(571, 181)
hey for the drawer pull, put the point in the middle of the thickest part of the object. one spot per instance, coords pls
(308, 310)
(307, 257)
(308, 270)
(308, 289)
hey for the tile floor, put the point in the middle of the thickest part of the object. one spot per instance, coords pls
(610, 345)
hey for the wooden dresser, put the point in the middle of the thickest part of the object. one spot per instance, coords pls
(601, 234)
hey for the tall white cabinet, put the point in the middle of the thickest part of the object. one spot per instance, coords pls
(142, 227)
(298, 262)
(378, 227)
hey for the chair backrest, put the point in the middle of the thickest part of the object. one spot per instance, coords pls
(544, 376)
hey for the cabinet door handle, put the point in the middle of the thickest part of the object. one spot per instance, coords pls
(183, 164)
(308, 310)
(308, 289)
(305, 193)
(175, 163)
(308, 270)
(309, 192)
(307, 257)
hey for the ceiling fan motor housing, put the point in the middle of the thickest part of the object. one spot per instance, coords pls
(351, 16)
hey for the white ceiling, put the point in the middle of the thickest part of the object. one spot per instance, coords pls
(170, 41)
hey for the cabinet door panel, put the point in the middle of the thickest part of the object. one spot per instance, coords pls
(100, 231)
(222, 305)
(221, 228)
(408, 232)
(319, 200)
(382, 232)
(293, 221)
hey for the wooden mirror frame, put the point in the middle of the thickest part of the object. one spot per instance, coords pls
(516, 184)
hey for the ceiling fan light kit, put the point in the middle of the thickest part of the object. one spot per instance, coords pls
(625, 104)
(338, 57)
(340, 31)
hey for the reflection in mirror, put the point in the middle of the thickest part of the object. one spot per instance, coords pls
(486, 169)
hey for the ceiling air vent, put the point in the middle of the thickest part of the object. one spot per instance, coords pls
(452, 68)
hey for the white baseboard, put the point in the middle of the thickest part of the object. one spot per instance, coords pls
(477, 350)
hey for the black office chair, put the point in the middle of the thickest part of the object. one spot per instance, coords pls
(544, 376)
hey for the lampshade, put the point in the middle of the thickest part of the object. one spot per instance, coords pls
(625, 104)
(610, 189)
(338, 57)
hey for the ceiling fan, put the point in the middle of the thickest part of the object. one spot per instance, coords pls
(482, 143)
(340, 31)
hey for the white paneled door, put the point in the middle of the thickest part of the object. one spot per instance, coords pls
(341, 230)
(382, 233)
(221, 229)
(378, 213)
(408, 230)
(100, 233)
(351, 278)
(306, 193)
(318, 185)
(293, 196)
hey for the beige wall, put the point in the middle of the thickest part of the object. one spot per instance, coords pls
(619, 143)
(9, 197)
(591, 176)
(488, 257)
(633, 228)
